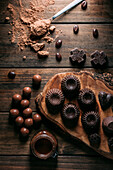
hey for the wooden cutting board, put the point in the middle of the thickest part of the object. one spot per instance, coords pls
(87, 80)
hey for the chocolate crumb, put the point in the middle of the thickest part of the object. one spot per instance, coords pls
(43, 54)
(38, 46)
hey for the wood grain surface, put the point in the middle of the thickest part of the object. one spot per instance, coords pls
(72, 155)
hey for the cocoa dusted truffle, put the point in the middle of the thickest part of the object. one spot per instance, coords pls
(19, 121)
(24, 132)
(16, 99)
(77, 57)
(110, 144)
(26, 92)
(54, 100)
(105, 100)
(70, 86)
(107, 125)
(90, 122)
(27, 112)
(14, 113)
(87, 100)
(24, 104)
(95, 140)
(70, 114)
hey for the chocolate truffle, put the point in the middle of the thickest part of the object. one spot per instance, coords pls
(77, 57)
(105, 100)
(28, 122)
(95, 140)
(36, 80)
(54, 100)
(58, 43)
(11, 74)
(27, 92)
(110, 144)
(16, 99)
(14, 113)
(107, 125)
(24, 104)
(99, 60)
(27, 112)
(90, 122)
(87, 100)
(37, 118)
(19, 121)
(70, 86)
(70, 115)
(24, 132)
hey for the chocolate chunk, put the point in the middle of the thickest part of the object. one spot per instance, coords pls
(99, 59)
(105, 100)
(107, 125)
(43, 54)
(11, 74)
(75, 29)
(58, 43)
(95, 140)
(84, 5)
(95, 33)
(58, 57)
(77, 57)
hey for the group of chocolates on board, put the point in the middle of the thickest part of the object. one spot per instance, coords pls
(70, 112)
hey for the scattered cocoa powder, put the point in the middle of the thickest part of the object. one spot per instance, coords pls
(38, 46)
(43, 54)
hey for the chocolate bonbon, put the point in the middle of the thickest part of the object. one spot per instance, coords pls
(27, 112)
(24, 104)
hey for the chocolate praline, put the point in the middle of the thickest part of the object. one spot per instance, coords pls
(87, 100)
(24, 132)
(28, 122)
(24, 104)
(54, 100)
(70, 115)
(27, 92)
(19, 121)
(14, 113)
(27, 112)
(107, 125)
(70, 86)
(90, 122)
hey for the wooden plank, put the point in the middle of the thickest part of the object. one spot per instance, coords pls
(10, 56)
(97, 11)
(23, 78)
(62, 163)
(11, 145)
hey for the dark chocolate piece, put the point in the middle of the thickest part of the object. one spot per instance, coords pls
(70, 86)
(77, 57)
(107, 125)
(27, 112)
(105, 100)
(95, 140)
(58, 57)
(95, 33)
(54, 100)
(87, 100)
(90, 122)
(11, 74)
(75, 29)
(99, 59)
(84, 5)
(70, 115)
(58, 43)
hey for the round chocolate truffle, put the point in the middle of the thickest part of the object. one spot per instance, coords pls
(11, 74)
(27, 112)
(37, 118)
(27, 92)
(70, 86)
(19, 121)
(14, 113)
(28, 122)
(16, 99)
(24, 104)
(90, 122)
(110, 143)
(24, 132)
(54, 100)
(70, 115)
(107, 125)
(95, 140)
(36, 80)
(87, 100)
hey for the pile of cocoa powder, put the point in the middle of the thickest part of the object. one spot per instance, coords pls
(28, 23)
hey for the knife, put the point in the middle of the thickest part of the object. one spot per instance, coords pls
(68, 7)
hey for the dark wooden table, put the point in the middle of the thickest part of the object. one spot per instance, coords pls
(15, 154)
